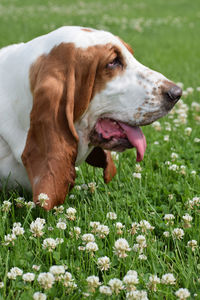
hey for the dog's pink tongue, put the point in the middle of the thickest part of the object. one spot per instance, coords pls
(136, 138)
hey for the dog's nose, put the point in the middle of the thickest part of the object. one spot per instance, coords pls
(174, 93)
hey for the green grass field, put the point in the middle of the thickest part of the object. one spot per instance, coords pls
(165, 36)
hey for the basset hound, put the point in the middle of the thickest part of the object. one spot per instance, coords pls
(71, 96)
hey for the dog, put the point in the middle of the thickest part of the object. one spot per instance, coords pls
(70, 96)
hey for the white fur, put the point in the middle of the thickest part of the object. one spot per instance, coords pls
(120, 99)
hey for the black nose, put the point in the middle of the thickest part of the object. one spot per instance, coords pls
(174, 93)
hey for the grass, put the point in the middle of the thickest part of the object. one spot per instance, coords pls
(165, 36)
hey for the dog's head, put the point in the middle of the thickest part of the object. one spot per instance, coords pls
(88, 91)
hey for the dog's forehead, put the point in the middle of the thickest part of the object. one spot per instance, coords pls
(86, 37)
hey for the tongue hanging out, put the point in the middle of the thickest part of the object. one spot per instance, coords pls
(115, 133)
(136, 138)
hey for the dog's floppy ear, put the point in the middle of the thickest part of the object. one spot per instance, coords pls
(51, 146)
(102, 159)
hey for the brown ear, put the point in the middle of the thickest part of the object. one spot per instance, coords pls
(51, 147)
(102, 159)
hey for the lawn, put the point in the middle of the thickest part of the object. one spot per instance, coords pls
(149, 215)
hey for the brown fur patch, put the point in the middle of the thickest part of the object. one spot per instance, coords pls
(63, 83)
(127, 46)
(87, 30)
(102, 159)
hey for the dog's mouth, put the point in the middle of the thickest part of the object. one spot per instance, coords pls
(118, 136)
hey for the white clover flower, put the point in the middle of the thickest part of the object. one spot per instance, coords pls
(115, 155)
(39, 296)
(187, 219)
(173, 167)
(170, 196)
(121, 247)
(37, 226)
(166, 138)
(184, 94)
(57, 270)
(195, 106)
(81, 248)
(169, 219)
(166, 234)
(68, 281)
(30, 204)
(49, 244)
(137, 175)
(9, 239)
(132, 272)
(119, 226)
(88, 237)
(141, 240)
(46, 280)
(178, 233)
(194, 202)
(192, 244)
(72, 196)
(134, 228)
(1, 284)
(28, 277)
(93, 283)
(6, 206)
(136, 247)
(182, 170)
(116, 285)
(138, 168)
(36, 267)
(130, 280)
(188, 131)
(17, 229)
(103, 263)
(106, 290)
(168, 163)
(190, 90)
(75, 232)
(43, 199)
(20, 201)
(196, 140)
(91, 247)
(84, 186)
(137, 295)
(145, 225)
(111, 215)
(92, 186)
(142, 257)
(14, 272)
(71, 212)
(156, 143)
(156, 125)
(78, 187)
(153, 281)
(102, 231)
(182, 294)
(180, 84)
(168, 279)
(193, 173)
(61, 225)
(58, 210)
(94, 226)
(59, 241)
(167, 126)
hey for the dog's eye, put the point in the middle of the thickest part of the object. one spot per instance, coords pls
(115, 63)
